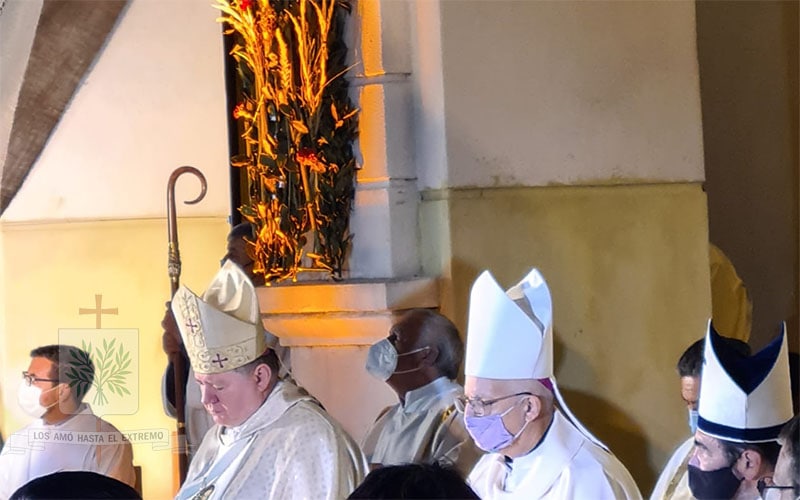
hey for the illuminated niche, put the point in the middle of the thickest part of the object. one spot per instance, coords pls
(296, 126)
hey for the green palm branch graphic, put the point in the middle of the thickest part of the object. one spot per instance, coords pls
(111, 362)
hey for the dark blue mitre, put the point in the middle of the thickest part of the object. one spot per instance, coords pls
(744, 398)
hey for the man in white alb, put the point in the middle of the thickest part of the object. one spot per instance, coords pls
(744, 403)
(66, 435)
(535, 450)
(271, 439)
(198, 421)
(419, 360)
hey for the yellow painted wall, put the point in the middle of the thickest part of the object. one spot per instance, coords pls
(628, 269)
(50, 270)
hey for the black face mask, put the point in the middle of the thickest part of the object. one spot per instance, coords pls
(713, 484)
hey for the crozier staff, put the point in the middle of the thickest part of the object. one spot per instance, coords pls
(271, 439)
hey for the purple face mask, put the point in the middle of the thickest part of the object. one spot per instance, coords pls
(489, 432)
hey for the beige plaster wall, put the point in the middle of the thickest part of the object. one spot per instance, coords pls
(337, 377)
(628, 270)
(568, 92)
(50, 270)
(573, 142)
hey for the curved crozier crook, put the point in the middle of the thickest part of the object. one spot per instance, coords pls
(180, 171)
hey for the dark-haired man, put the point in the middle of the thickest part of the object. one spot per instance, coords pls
(75, 484)
(414, 481)
(673, 483)
(419, 360)
(65, 434)
(744, 402)
(271, 439)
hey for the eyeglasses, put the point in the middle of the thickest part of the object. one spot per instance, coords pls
(763, 486)
(30, 379)
(479, 407)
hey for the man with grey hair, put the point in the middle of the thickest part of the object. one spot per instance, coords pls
(535, 449)
(419, 360)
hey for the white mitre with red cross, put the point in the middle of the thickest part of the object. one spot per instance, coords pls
(221, 330)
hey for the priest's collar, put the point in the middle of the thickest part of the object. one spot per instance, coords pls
(82, 409)
(521, 460)
(438, 386)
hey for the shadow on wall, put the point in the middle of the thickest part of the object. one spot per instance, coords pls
(616, 430)
(609, 423)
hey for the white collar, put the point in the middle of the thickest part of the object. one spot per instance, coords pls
(416, 396)
(549, 458)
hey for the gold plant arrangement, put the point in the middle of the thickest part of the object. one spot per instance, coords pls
(297, 127)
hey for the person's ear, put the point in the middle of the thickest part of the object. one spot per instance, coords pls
(64, 392)
(430, 355)
(263, 376)
(749, 465)
(534, 408)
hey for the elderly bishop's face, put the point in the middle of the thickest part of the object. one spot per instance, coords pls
(231, 397)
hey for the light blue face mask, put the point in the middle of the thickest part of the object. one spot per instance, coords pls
(693, 421)
(382, 360)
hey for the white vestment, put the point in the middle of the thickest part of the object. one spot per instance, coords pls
(82, 442)
(290, 448)
(564, 465)
(673, 483)
(198, 421)
(425, 429)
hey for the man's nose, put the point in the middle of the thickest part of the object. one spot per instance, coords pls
(693, 460)
(208, 396)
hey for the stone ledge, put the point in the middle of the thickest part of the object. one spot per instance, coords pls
(350, 296)
(356, 312)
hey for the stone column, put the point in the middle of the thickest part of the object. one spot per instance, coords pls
(330, 326)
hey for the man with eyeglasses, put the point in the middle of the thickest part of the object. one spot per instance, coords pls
(744, 402)
(536, 451)
(65, 434)
(419, 360)
(785, 482)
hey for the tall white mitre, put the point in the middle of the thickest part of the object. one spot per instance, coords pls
(223, 329)
(510, 334)
(744, 398)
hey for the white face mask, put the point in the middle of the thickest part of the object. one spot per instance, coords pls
(382, 360)
(28, 397)
(693, 420)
